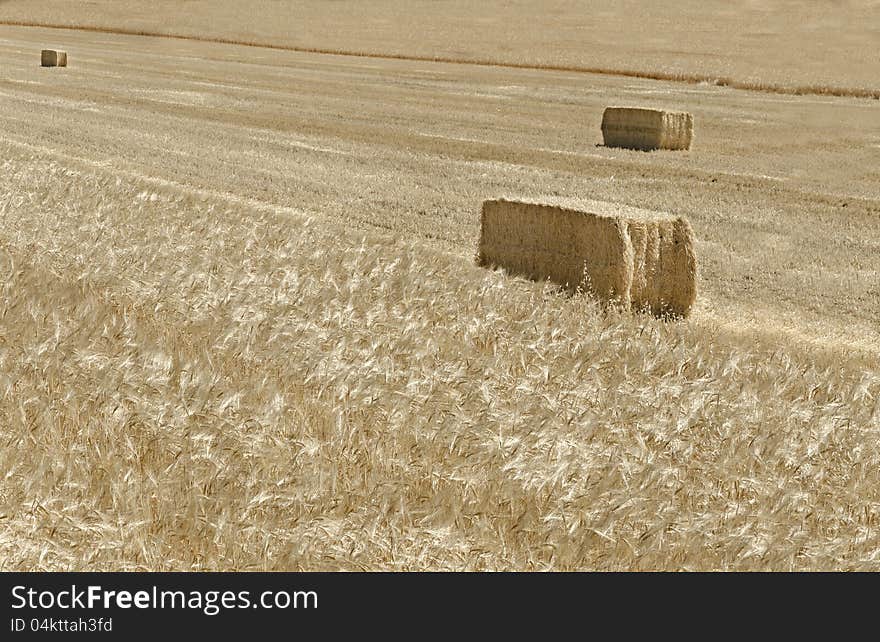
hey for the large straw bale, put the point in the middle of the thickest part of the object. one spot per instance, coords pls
(53, 58)
(637, 259)
(647, 129)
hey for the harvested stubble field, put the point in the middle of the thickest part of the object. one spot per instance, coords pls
(242, 327)
(790, 45)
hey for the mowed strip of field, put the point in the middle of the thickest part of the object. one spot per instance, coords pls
(782, 197)
(242, 328)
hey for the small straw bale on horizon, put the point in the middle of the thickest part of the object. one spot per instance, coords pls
(636, 259)
(647, 129)
(53, 58)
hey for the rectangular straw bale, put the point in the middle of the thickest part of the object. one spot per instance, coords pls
(634, 258)
(647, 129)
(53, 58)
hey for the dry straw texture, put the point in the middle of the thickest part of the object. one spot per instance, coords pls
(53, 58)
(647, 129)
(636, 258)
(192, 384)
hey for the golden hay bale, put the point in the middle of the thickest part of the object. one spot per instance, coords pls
(664, 265)
(647, 129)
(634, 258)
(53, 58)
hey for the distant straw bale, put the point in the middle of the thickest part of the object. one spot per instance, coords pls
(637, 259)
(53, 58)
(647, 129)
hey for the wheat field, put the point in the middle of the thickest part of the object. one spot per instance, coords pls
(242, 328)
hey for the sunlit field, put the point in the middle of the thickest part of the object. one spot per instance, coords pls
(242, 327)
